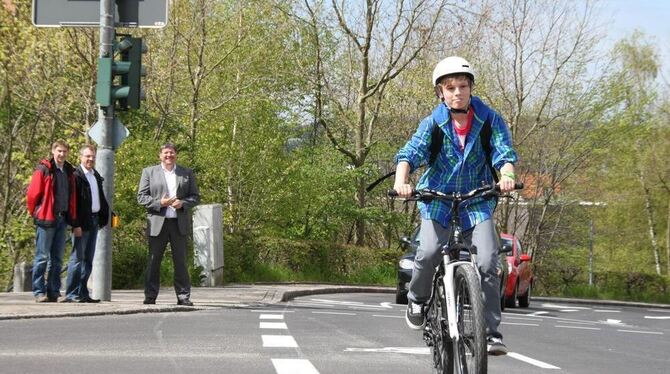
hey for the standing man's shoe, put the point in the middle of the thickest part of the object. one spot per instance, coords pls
(414, 316)
(495, 346)
(148, 301)
(89, 300)
(184, 302)
(41, 299)
(66, 300)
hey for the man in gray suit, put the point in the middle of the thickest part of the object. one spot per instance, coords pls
(168, 192)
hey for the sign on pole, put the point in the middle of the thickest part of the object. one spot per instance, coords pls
(86, 13)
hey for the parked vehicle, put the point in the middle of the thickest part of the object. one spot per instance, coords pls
(406, 264)
(520, 279)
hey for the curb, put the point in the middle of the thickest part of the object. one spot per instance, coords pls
(599, 302)
(289, 295)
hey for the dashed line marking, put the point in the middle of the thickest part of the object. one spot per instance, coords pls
(578, 327)
(387, 316)
(520, 324)
(407, 350)
(642, 332)
(657, 317)
(531, 361)
(273, 325)
(271, 316)
(279, 341)
(336, 313)
(293, 366)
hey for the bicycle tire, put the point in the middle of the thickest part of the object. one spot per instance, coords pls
(441, 344)
(471, 348)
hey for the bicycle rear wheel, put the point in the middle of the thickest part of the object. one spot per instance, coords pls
(471, 348)
(441, 344)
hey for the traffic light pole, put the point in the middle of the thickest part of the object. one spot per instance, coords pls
(102, 261)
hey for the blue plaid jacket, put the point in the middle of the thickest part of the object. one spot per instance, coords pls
(455, 170)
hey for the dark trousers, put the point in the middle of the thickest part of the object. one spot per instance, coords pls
(182, 282)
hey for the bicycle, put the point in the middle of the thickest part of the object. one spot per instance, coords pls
(455, 328)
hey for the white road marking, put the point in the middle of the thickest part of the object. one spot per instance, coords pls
(578, 322)
(531, 361)
(337, 302)
(557, 306)
(642, 332)
(271, 316)
(386, 305)
(273, 325)
(657, 317)
(279, 341)
(337, 313)
(606, 311)
(569, 310)
(407, 350)
(373, 307)
(387, 316)
(520, 324)
(265, 311)
(578, 327)
(538, 319)
(538, 313)
(293, 366)
(613, 322)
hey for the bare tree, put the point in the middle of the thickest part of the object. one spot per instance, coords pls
(533, 51)
(376, 42)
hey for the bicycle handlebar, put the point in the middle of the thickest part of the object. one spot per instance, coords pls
(483, 191)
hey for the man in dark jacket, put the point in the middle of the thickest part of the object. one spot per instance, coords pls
(92, 213)
(52, 202)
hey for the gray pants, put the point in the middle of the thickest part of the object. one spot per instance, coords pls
(431, 237)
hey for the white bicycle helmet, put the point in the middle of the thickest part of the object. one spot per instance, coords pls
(452, 65)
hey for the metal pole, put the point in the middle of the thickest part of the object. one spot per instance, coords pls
(590, 252)
(102, 261)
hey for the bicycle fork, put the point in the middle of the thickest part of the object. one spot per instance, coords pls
(450, 296)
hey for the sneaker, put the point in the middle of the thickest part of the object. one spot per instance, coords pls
(414, 316)
(495, 346)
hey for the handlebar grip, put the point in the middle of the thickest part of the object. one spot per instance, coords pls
(392, 193)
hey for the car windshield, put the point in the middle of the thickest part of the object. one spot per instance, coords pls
(506, 241)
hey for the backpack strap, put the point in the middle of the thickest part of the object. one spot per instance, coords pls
(485, 138)
(436, 139)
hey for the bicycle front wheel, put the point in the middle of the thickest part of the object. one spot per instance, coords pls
(470, 352)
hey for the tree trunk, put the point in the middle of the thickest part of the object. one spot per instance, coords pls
(650, 219)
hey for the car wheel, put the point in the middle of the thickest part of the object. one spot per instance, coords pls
(524, 300)
(510, 302)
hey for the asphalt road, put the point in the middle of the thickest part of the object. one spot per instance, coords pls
(336, 333)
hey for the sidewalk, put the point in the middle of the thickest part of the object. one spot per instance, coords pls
(22, 305)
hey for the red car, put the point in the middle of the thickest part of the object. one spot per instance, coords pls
(520, 278)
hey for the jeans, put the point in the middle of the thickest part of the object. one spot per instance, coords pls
(81, 262)
(48, 261)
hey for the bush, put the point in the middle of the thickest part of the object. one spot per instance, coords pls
(249, 258)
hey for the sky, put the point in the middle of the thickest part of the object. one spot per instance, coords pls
(622, 17)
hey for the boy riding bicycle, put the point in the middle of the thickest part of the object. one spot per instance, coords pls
(460, 166)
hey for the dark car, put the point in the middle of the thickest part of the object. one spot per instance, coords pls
(406, 264)
(520, 280)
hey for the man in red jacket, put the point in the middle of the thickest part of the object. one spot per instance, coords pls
(52, 202)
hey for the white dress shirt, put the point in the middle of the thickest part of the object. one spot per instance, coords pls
(171, 179)
(95, 194)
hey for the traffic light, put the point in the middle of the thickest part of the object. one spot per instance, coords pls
(130, 70)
